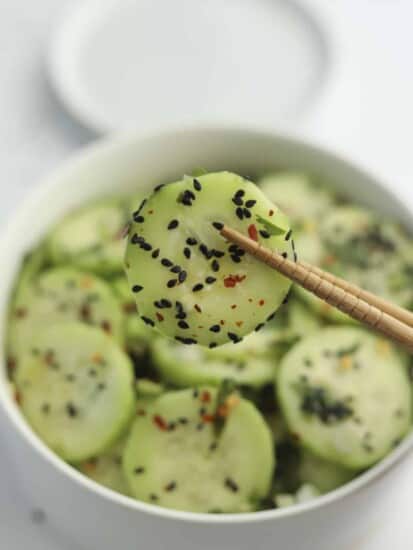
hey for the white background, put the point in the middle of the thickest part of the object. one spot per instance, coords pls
(370, 118)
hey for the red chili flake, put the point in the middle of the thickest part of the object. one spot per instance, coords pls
(239, 323)
(233, 306)
(129, 308)
(159, 316)
(97, 358)
(11, 364)
(18, 397)
(205, 397)
(89, 466)
(252, 232)
(49, 358)
(261, 302)
(208, 418)
(271, 212)
(233, 280)
(160, 422)
(141, 412)
(106, 326)
(222, 322)
(197, 307)
(21, 312)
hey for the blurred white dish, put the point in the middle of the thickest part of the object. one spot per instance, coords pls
(102, 519)
(149, 63)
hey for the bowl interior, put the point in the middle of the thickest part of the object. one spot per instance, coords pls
(128, 163)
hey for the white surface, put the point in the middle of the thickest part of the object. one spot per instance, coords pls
(370, 117)
(145, 64)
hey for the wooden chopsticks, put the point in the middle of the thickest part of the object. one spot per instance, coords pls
(365, 307)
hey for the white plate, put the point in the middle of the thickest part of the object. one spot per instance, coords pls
(151, 63)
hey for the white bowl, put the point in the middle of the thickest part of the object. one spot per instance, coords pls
(99, 518)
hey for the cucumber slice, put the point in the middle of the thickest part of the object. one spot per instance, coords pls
(76, 390)
(370, 252)
(91, 238)
(174, 457)
(322, 474)
(61, 295)
(188, 281)
(106, 469)
(345, 395)
(148, 388)
(297, 195)
(252, 362)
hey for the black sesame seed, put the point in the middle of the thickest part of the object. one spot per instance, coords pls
(197, 287)
(189, 341)
(202, 411)
(171, 426)
(239, 213)
(137, 288)
(250, 203)
(187, 252)
(215, 328)
(237, 200)
(270, 317)
(264, 234)
(175, 269)
(147, 321)
(259, 327)
(234, 337)
(139, 219)
(247, 213)
(215, 265)
(218, 225)
(295, 257)
(71, 410)
(155, 253)
(210, 280)
(146, 246)
(180, 315)
(158, 187)
(212, 345)
(240, 193)
(182, 276)
(136, 239)
(165, 262)
(236, 259)
(233, 248)
(154, 497)
(191, 241)
(182, 420)
(197, 185)
(170, 487)
(200, 426)
(230, 484)
(183, 324)
(101, 386)
(284, 255)
(173, 224)
(213, 446)
(179, 305)
(45, 408)
(288, 235)
(139, 470)
(195, 393)
(165, 303)
(217, 253)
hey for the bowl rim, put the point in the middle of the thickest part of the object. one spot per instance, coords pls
(99, 148)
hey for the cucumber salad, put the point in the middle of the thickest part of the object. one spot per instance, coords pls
(168, 365)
